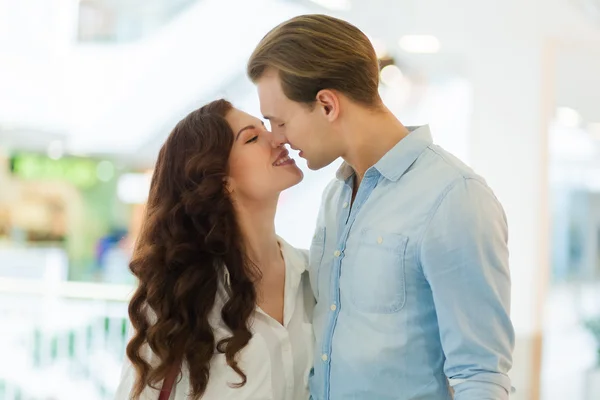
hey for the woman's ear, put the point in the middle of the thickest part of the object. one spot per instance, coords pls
(229, 184)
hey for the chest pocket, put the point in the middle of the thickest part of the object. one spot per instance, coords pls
(375, 272)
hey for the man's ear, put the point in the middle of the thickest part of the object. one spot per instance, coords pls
(329, 103)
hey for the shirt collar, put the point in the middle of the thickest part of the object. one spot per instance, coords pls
(399, 158)
(291, 258)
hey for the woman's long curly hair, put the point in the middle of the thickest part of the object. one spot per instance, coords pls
(189, 234)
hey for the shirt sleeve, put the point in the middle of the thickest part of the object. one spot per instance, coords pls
(127, 379)
(128, 374)
(464, 256)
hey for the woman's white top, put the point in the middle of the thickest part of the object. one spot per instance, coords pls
(276, 361)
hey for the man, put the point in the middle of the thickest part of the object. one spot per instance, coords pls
(409, 263)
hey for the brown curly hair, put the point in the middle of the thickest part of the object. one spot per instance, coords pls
(189, 234)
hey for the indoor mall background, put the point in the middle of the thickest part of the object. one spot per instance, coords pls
(89, 90)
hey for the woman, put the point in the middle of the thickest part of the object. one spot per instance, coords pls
(223, 306)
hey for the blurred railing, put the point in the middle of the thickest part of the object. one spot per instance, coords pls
(61, 340)
(125, 20)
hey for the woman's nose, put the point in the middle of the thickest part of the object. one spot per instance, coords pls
(277, 139)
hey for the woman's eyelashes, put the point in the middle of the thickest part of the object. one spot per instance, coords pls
(254, 139)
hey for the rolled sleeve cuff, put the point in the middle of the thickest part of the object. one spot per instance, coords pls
(486, 386)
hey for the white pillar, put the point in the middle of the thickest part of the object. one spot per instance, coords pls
(512, 88)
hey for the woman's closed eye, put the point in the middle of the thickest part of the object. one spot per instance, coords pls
(254, 139)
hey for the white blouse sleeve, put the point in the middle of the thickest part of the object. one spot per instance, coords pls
(128, 376)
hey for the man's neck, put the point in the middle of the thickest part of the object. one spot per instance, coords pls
(369, 135)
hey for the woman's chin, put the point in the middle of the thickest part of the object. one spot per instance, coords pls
(292, 178)
(299, 176)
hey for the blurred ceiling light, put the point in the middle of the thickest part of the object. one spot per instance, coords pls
(105, 171)
(391, 75)
(570, 144)
(424, 44)
(568, 117)
(338, 5)
(55, 150)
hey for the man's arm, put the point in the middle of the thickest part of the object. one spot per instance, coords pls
(464, 257)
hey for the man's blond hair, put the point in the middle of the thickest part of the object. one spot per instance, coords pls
(316, 52)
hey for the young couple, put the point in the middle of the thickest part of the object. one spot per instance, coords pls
(405, 293)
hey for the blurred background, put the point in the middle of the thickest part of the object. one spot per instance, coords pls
(89, 90)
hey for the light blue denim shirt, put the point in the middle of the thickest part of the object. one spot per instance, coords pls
(412, 282)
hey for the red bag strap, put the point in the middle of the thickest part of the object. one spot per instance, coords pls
(167, 386)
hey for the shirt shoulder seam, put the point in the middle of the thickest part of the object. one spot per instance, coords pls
(434, 209)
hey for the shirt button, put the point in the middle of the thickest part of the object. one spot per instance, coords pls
(324, 357)
(333, 307)
(337, 253)
(379, 240)
(345, 205)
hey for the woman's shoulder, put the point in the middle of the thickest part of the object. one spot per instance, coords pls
(297, 257)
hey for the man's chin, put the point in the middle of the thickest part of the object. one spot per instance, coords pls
(315, 166)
